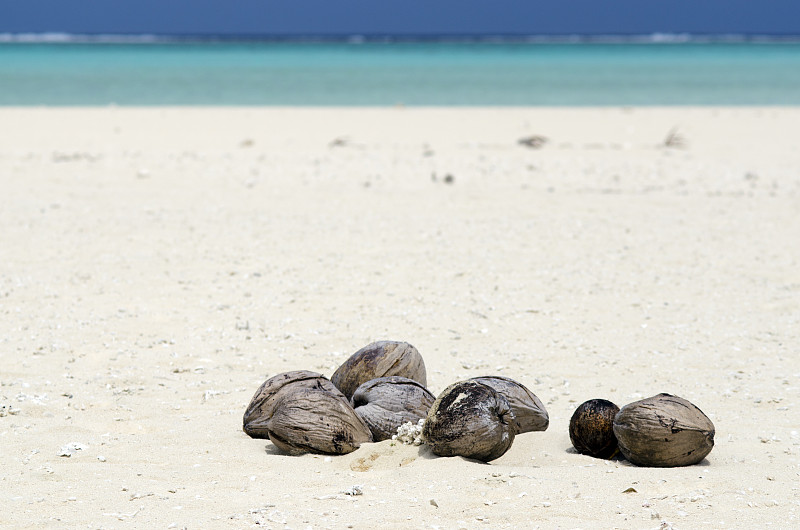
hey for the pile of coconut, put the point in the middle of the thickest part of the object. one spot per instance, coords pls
(379, 393)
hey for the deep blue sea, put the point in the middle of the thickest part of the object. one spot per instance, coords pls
(392, 73)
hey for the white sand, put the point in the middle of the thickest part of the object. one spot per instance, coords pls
(156, 265)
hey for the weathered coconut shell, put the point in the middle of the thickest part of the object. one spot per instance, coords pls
(303, 412)
(591, 428)
(386, 403)
(470, 419)
(316, 421)
(262, 405)
(379, 359)
(663, 431)
(528, 409)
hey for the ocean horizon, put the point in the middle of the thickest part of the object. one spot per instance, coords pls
(57, 69)
(146, 38)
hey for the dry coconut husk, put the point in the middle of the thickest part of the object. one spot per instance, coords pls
(529, 412)
(663, 431)
(386, 403)
(379, 359)
(303, 412)
(472, 420)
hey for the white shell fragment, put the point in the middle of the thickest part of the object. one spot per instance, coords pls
(410, 434)
(355, 490)
(71, 448)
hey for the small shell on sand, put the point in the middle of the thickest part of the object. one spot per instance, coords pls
(410, 434)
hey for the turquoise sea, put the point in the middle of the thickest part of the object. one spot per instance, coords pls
(390, 73)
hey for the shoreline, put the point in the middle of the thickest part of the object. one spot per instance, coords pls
(382, 38)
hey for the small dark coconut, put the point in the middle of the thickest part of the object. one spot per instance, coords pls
(591, 428)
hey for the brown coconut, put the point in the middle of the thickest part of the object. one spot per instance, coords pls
(663, 431)
(472, 420)
(303, 412)
(379, 359)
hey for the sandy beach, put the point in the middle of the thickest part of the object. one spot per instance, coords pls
(158, 264)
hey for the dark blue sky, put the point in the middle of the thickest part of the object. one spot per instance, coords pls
(400, 16)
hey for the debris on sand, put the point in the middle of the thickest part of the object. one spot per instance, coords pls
(533, 142)
(71, 448)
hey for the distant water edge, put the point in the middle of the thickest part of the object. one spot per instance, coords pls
(151, 38)
(486, 70)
